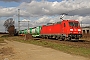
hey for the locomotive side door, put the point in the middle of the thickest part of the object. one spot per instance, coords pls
(64, 28)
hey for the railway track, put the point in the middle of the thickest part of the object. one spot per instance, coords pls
(80, 43)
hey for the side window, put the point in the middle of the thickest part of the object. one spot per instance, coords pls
(64, 25)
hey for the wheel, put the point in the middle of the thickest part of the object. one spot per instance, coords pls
(46, 37)
(43, 37)
(63, 38)
(69, 38)
(57, 38)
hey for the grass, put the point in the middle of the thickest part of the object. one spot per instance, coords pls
(62, 47)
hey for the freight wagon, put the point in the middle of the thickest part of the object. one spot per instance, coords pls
(35, 32)
(67, 29)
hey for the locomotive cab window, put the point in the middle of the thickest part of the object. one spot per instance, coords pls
(74, 24)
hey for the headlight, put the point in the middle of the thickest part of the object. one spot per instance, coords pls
(71, 29)
(79, 29)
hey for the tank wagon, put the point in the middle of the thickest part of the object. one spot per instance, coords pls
(67, 29)
(35, 32)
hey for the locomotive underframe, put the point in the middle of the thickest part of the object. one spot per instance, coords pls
(62, 36)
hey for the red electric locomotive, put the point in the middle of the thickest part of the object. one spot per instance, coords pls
(67, 29)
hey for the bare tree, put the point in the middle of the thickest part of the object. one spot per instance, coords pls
(9, 22)
(9, 25)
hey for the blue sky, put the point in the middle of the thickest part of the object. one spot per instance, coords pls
(14, 4)
(9, 4)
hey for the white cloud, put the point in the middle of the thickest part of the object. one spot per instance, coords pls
(35, 8)
(25, 20)
(2, 28)
(43, 20)
(7, 12)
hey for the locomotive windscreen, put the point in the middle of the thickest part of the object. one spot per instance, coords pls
(76, 24)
